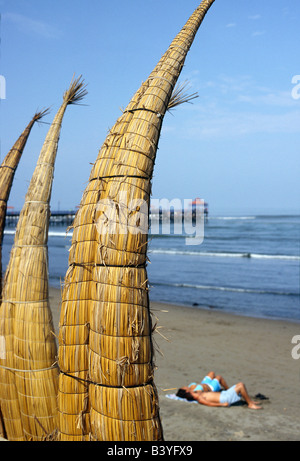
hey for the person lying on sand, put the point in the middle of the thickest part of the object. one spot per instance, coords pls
(214, 392)
(210, 383)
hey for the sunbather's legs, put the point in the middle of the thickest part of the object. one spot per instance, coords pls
(220, 378)
(240, 388)
(222, 382)
(211, 374)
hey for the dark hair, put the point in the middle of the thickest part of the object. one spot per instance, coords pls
(184, 394)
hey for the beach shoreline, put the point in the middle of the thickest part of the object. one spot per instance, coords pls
(189, 342)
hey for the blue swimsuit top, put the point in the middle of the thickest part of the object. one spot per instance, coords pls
(197, 388)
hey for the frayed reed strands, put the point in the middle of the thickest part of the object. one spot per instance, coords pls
(7, 173)
(106, 387)
(29, 373)
(180, 96)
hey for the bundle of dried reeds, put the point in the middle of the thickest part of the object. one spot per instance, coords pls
(7, 173)
(106, 387)
(29, 373)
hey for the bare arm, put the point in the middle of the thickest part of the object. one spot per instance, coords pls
(202, 400)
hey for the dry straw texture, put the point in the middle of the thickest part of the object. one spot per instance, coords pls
(28, 369)
(7, 173)
(106, 386)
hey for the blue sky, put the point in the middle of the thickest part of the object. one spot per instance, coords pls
(236, 146)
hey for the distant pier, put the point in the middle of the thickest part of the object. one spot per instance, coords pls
(56, 218)
(67, 217)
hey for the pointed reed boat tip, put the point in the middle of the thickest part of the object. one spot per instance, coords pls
(106, 342)
(76, 92)
(40, 114)
(32, 399)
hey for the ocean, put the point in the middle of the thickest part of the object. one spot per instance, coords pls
(246, 265)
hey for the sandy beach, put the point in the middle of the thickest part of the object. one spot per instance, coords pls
(189, 342)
